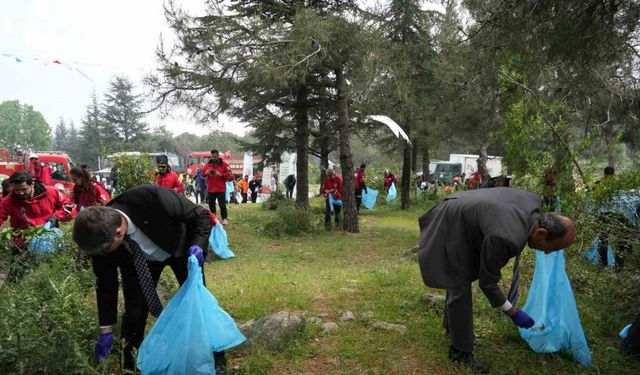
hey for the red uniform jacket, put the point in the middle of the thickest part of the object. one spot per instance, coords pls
(82, 198)
(215, 183)
(46, 202)
(41, 172)
(359, 179)
(170, 181)
(390, 179)
(332, 183)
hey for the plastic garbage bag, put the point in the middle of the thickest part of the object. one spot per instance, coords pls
(391, 195)
(191, 327)
(625, 331)
(46, 242)
(332, 201)
(593, 256)
(369, 198)
(552, 305)
(227, 193)
(220, 242)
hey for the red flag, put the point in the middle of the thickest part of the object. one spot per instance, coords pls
(57, 62)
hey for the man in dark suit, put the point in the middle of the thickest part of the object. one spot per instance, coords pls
(470, 236)
(139, 232)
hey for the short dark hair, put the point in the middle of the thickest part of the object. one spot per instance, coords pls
(19, 177)
(552, 222)
(95, 227)
(609, 171)
(5, 187)
(214, 151)
(363, 165)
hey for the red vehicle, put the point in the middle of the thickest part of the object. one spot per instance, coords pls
(59, 162)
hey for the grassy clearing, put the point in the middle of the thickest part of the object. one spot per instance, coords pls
(325, 274)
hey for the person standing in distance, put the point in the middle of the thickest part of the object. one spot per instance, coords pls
(217, 173)
(470, 236)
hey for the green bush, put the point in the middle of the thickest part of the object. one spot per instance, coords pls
(45, 325)
(275, 201)
(289, 221)
(134, 171)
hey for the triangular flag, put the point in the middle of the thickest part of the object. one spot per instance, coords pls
(56, 62)
(18, 60)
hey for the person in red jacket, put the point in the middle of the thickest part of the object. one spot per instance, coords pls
(31, 204)
(389, 178)
(360, 185)
(166, 177)
(40, 172)
(332, 185)
(217, 173)
(87, 192)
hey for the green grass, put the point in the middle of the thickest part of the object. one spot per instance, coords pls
(326, 273)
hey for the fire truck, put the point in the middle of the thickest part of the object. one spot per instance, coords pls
(197, 159)
(59, 161)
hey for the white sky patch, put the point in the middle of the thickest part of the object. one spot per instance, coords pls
(94, 40)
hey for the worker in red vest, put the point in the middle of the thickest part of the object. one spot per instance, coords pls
(166, 177)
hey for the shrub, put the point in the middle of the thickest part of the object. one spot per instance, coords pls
(276, 200)
(133, 171)
(44, 323)
(289, 221)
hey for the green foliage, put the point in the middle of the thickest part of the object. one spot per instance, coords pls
(289, 221)
(22, 124)
(122, 114)
(275, 201)
(45, 323)
(133, 171)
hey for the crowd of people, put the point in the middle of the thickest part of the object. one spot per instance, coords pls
(141, 231)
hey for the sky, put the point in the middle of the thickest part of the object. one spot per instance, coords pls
(93, 40)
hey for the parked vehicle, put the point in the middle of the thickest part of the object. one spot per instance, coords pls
(460, 165)
(59, 162)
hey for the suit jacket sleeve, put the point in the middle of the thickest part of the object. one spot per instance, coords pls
(495, 254)
(106, 290)
(184, 211)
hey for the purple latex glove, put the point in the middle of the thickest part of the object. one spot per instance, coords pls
(522, 319)
(197, 251)
(103, 346)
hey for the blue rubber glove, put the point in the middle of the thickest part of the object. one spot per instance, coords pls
(522, 319)
(103, 346)
(199, 254)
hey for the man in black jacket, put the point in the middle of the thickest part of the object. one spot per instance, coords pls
(470, 236)
(139, 232)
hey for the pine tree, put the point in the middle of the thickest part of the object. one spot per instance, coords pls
(60, 135)
(91, 137)
(122, 114)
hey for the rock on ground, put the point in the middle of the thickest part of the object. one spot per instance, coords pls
(271, 332)
(347, 316)
(389, 326)
(328, 327)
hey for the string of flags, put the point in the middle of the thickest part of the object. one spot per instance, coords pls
(73, 67)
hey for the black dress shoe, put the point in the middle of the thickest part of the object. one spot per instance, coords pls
(468, 360)
(221, 363)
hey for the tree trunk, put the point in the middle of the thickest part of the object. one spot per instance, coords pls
(414, 156)
(406, 173)
(302, 148)
(350, 216)
(482, 163)
(323, 141)
(425, 163)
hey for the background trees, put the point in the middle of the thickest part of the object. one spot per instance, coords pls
(22, 124)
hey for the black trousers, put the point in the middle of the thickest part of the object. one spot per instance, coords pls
(254, 196)
(327, 215)
(221, 200)
(289, 192)
(458, 318)
(244, 197)
(633, 337)
(358, 199)
(135, 315)
(202, 195)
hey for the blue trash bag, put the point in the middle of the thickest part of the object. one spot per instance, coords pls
(220, 242)
(625, 331)
(391, 195)
(332, 201)
(227, 193)
(191, 327)
(369, 198)
(553, 307)
(593, 256)
(46, 242)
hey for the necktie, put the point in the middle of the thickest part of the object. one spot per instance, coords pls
(145, 279)
(513, 291)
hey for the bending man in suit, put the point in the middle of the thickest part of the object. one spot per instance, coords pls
(148, 225)
(470, 236)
